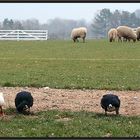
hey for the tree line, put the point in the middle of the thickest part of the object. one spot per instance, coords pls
(61, 28)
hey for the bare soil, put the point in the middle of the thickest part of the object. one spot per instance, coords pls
(73, 100)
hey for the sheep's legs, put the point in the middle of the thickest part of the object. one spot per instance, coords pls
(1, 111)
(77, 40)
(110, 40)
(84, 40)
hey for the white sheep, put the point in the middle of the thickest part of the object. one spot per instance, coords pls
(125, 32)
(80, 32)
(112, 34)
(138, 33)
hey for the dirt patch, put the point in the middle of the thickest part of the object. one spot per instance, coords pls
(73, 100)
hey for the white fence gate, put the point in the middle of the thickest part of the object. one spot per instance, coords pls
(23, 35)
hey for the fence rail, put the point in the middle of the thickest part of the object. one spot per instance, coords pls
(23, 35)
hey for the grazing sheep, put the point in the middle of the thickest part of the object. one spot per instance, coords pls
(112, 34)
(138, 33)
(79, 33)
(2, 102)
(127, 33)
(23, 102)
(110, 102)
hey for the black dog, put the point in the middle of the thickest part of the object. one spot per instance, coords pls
(110, 102)
(23, 102)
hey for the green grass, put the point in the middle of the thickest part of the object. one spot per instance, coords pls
(78, 124)
(96, 64)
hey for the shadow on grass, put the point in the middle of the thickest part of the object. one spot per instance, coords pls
(101, 115)
(10, 111)
(13, 111)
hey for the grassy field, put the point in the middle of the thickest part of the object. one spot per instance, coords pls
(69, 124)
(96, 64)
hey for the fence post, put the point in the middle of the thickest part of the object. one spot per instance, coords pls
(17, 35)
(46, 34)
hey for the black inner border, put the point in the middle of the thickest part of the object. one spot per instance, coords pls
(70, 1)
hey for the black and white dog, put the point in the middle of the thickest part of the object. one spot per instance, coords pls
(23, 102)
(110, 102)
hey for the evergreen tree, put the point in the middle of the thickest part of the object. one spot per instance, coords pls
(102, 22)
(8, 24)
(106, 20)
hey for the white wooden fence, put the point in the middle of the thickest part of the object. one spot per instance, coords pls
(23, 35)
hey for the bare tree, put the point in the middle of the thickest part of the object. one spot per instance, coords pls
(31, 24)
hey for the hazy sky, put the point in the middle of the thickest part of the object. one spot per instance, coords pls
(45, 11)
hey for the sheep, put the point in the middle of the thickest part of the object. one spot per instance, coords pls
(126, 33)
(23, 102)
(2, 103)
(128, 39)
(80, 32)
(112, 34)
(110, 102)
(138, 33)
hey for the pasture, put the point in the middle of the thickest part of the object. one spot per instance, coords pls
(64, 64)
(96, 64)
